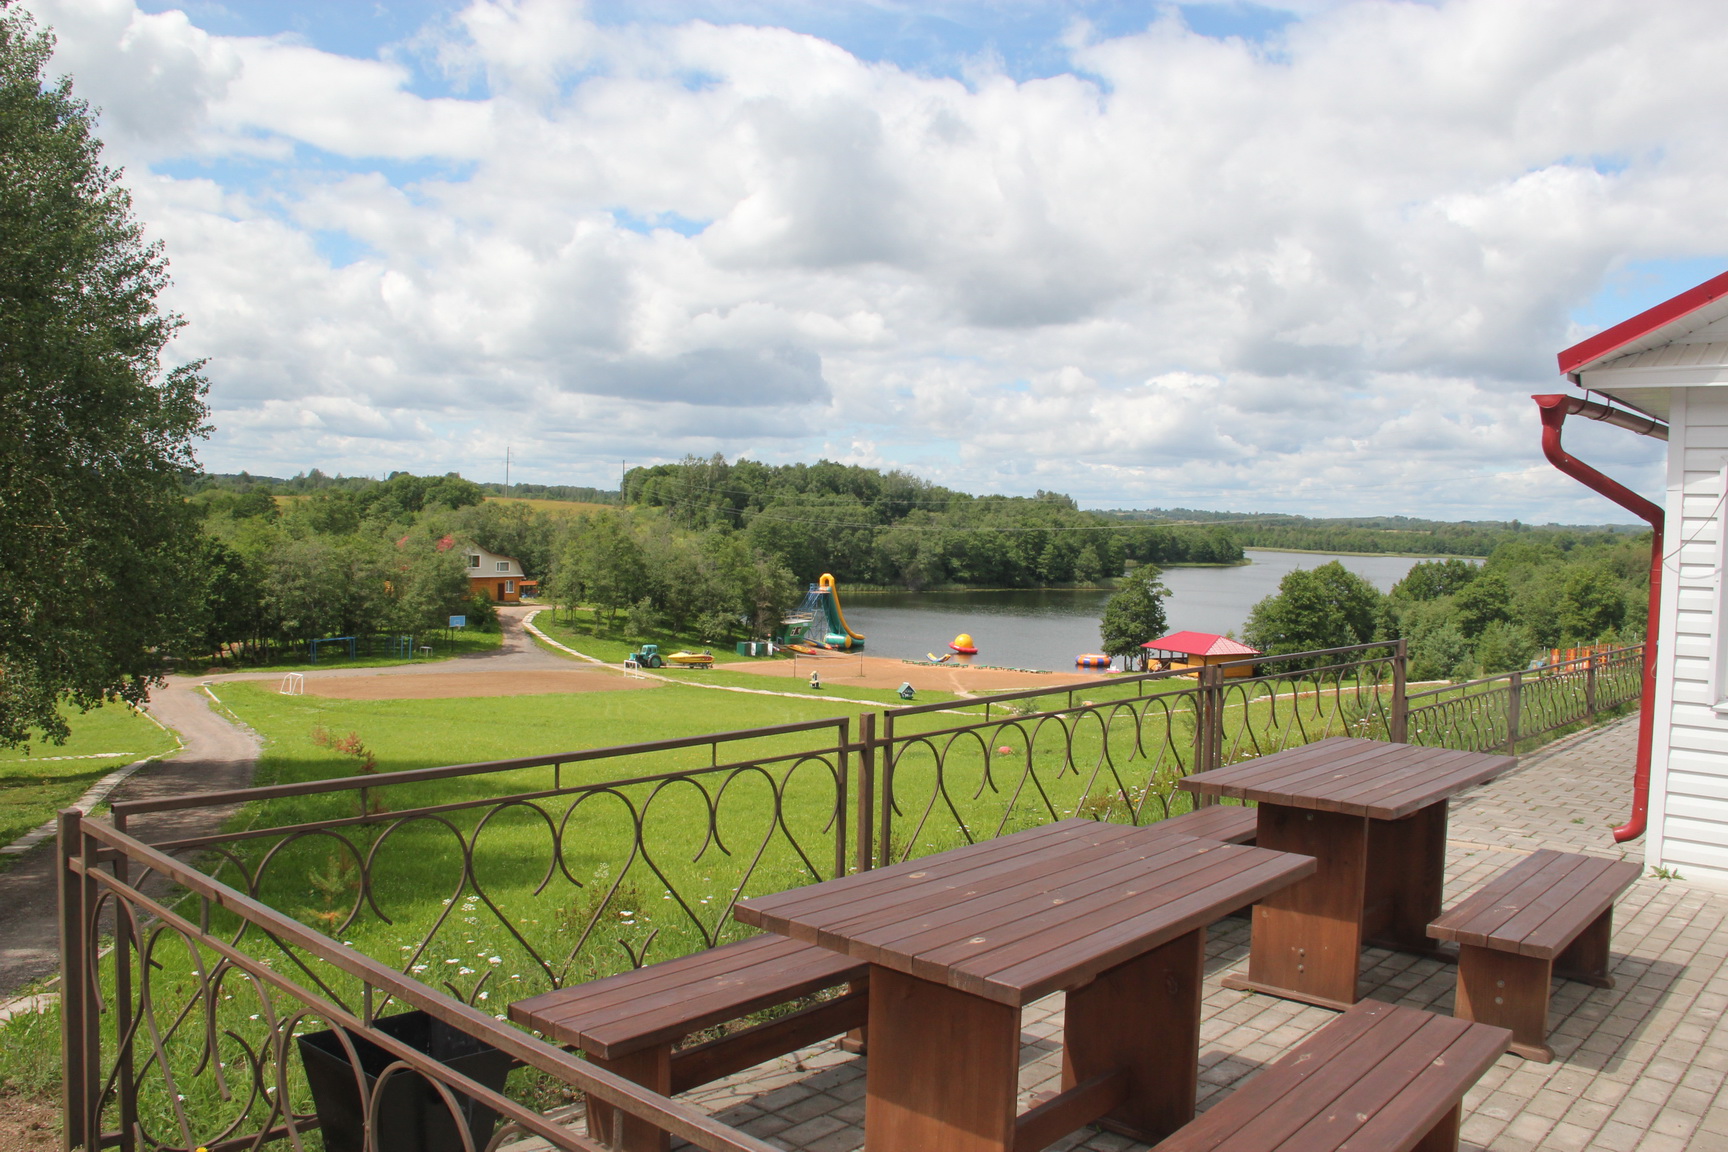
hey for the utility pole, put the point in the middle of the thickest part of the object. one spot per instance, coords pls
(621, 471)
(506, 469)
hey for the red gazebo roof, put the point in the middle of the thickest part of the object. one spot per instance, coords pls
(1200, 644)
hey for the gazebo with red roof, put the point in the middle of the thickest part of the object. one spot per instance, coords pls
(1198, 649)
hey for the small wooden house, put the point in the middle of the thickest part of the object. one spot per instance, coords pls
(1198, 649)
(498, 577)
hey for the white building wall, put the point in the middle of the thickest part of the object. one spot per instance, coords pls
(1689, 769)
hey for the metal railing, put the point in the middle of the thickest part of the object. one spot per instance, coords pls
(1509, 710)
(456, 890)
(1112, 749)
(180, 1038)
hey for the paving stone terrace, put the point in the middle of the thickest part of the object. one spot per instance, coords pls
(1639, 1067)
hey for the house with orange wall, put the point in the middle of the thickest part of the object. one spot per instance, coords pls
(498, 577)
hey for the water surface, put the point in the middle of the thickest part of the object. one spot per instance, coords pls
(1048, 628)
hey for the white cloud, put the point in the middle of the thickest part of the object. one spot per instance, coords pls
(1322, 272)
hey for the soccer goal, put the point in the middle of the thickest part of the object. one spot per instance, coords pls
(293, 684)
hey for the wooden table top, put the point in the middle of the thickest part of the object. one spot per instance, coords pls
(1356, 777)
(1021, 916)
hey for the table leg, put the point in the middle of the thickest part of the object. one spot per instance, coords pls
(1307, 942)
(943, 1071)
(1406, 876)
(1142, 1017)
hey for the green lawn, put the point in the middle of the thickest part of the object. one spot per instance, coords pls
(37, 782)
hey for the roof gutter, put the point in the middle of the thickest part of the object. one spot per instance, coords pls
(1555, 409)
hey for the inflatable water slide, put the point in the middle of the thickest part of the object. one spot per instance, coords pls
(819, 621)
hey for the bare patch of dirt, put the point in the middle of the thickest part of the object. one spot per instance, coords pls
(28, 1124)
(502, 682)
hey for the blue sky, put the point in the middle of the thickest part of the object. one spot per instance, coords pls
(1312, 256)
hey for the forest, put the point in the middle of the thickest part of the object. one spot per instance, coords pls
(721, 550)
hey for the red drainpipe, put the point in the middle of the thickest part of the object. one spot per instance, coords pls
(1555, 409)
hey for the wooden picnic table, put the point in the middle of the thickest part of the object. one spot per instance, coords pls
(959, 941)
(1374, 816)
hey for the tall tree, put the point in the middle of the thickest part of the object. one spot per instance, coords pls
(100, 548)
(1325, 607)
(1135, 614)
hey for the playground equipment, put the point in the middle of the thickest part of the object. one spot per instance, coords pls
(963, 644)
(818, 620)
(942, 659)
(702, 659)
(1092, 660)
(648, 656)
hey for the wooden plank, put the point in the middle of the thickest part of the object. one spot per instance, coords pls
(1393, 767)
(921, 943)
(1141, 1019)
(1508, 991)
(942, 1068)
(1499, 888)
(1007, 919)
(1405, 879)
(793, 902)
(1230, 823)
(1251, 773)
(1307, 938)
(1459, 778)
(1423, 1107)
(1286, 1096)
(1597, 897)
(1538, 910)
(1037, 1128)
(1034, 925)
(705, 1063)
(623, 1023)
(1043, 974)
(936, 907)
(1285, 776)
(1533, 883)
(1388, 1085)
(624, 1131)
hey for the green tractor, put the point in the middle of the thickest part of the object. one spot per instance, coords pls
(648, 656)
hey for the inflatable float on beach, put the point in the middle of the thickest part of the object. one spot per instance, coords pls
(1092, 660)
(963, 644)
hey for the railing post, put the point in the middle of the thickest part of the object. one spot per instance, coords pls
(884, 816)
(866, 791)
(1514, 706)
(1590, 686)
(80, 1055)
(1398, 726)
(1208, 725)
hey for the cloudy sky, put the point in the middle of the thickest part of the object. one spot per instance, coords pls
(1306, 257)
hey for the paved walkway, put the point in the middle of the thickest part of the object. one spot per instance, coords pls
(1640, 1067)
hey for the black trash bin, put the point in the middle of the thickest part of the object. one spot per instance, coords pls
(412, 1116)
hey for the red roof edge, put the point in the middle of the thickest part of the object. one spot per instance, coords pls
(1642, 324)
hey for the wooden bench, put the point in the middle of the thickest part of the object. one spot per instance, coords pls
(1549, 915)
(1381, 1078)
(630, 1022)
(1231, 823)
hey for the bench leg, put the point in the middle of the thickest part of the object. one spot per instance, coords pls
(1586, 958)
(856, 1039)
(1509, 991)
(1142, 1017)
(1443, 1137)
(617, 1129)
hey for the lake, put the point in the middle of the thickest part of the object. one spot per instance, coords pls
(1048, 628)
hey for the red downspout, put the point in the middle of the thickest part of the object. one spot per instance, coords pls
(1555, 409)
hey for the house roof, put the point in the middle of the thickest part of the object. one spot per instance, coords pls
(1689, 311)
(1200, 644)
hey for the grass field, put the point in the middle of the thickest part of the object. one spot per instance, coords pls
(492, 898)
(34, 784)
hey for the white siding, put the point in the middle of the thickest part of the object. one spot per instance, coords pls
(1689, 802)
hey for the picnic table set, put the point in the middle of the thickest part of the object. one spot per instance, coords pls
(937, 957)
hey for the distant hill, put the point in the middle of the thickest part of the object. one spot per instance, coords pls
(1369, 534)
